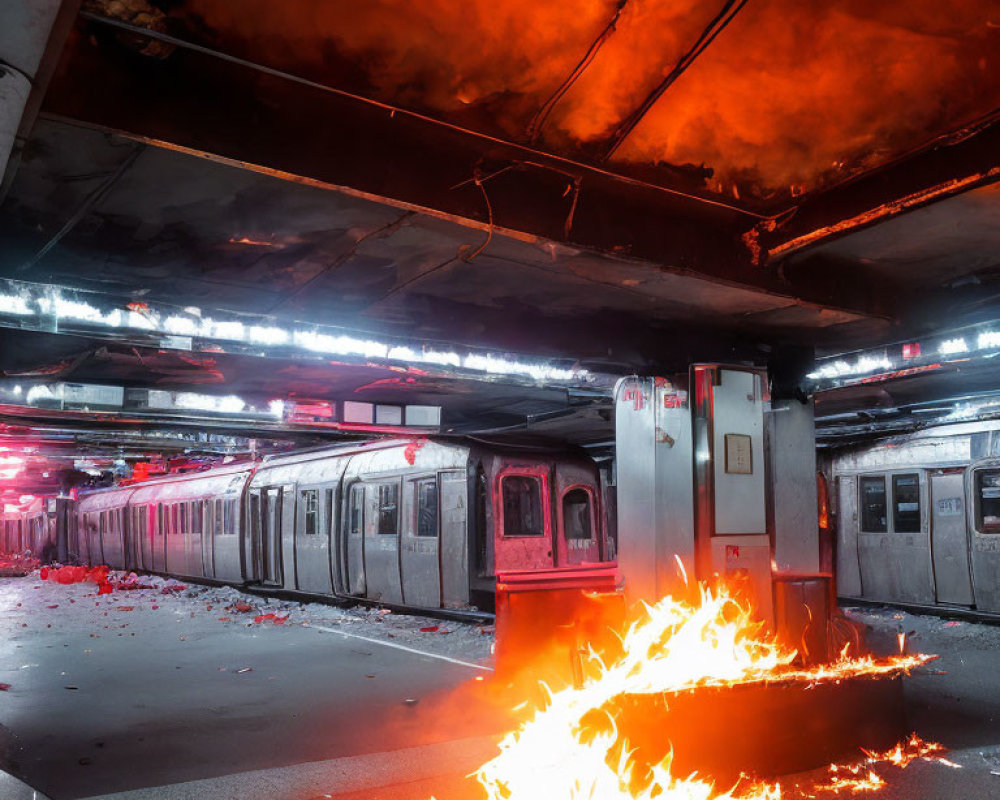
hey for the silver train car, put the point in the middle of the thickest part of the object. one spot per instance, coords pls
(421, 523)
(918, 518)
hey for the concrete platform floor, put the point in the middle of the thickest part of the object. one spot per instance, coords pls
(145, 689)
(143, 695)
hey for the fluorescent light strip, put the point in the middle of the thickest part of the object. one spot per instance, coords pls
(39, 300)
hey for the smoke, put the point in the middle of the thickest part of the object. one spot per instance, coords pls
(791, 96)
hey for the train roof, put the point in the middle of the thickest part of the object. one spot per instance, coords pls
(211, 472)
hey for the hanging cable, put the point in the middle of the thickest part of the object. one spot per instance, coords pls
(729, 10)
(538, 121)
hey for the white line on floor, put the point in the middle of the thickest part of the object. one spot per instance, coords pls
(403, 647)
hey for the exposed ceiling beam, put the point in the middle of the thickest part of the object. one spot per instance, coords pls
(254, 117)
(944, 167)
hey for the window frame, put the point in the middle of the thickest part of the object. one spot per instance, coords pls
(305, 497)
(979, 526)
(592, 512)
(895, 476)
(861, 503)
(541, 476)
(379, 510)
(428, 480)
(356, 508)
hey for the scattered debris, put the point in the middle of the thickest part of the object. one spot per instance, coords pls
(4, 687)
(242, 670)
(430, 629)
(276, 619)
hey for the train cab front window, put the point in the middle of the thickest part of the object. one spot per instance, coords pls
(576, 515)
(522, 506)
(873, 505)
(906, 503)
(988, 500)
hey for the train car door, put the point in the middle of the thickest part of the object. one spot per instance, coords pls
(949, 539)
(453, 499)
(523, 519)
(267, 535)
(312, 545)
(848, 565)
(286, 537)
(381, 546)
(140, 538)
(984, 520)
(419, 550)
(208, 508)
(354, 545)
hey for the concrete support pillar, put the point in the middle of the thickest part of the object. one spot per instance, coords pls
(792, 445)
(655, 515)
(25, 28)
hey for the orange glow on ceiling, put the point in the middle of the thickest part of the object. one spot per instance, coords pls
(790, 97)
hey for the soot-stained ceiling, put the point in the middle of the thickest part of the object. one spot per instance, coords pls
(630, 185)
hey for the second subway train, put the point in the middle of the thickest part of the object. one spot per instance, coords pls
(918, 518)
(413, 522)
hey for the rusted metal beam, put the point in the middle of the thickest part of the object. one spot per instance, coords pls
(945, 167)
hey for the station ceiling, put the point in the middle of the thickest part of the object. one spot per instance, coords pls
(630, 186)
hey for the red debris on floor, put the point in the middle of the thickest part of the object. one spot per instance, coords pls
(68, 575)
(17, 566)
(276, 619)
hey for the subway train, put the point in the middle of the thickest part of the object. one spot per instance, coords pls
(416, 522)
(918, 517)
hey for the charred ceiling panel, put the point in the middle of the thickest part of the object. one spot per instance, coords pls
(771, 100)
(205, 102)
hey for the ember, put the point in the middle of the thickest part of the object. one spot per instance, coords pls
(574, 746)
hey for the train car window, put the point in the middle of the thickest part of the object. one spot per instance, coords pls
(576, 514)
(906, 503)
(357, 508)
(388, 508)
(234, 517)
(197, 515)
(217, 520)
(329, 511)
(988, 500)
(427, 507)
(310, 506)
(873, 505)
(102, 522)
(522, 506)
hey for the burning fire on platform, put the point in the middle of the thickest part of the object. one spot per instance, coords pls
(578, 742)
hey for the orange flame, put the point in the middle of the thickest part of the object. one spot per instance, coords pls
(676, 646)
